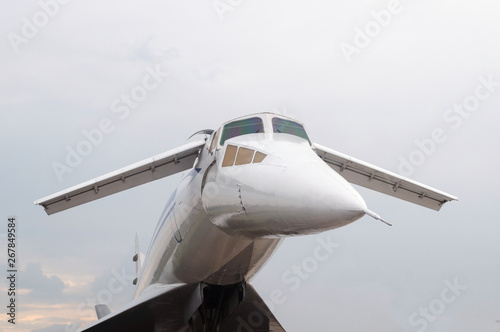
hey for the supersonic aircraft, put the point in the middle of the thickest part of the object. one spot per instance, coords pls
(248, 185)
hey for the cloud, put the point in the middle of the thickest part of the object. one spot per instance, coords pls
(114, 287)
(42, 288)
(53, 328)
(263, 55)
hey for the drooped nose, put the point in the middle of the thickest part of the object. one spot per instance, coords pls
(301, 198)
(311, 199)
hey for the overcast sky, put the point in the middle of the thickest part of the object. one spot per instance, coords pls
(411, 86)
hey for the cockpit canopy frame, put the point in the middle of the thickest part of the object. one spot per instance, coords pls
(262, 123)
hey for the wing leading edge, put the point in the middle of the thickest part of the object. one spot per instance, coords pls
(154, 168)
(383, 181)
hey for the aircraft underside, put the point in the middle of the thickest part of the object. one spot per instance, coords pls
(248, 185)
(193, 308)
(232, 308)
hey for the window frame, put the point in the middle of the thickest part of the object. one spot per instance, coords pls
(226, 134)
(285, 125)
(213, 144)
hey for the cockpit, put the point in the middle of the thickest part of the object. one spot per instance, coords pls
(284, 126)
(265, 123)
(267, 126)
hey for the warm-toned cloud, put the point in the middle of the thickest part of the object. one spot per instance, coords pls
(43, 288)
(53, 303)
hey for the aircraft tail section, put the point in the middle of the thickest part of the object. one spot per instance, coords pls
(102, 310)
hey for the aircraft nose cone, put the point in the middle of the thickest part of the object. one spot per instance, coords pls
(311, 198)
(278, 200)
(286, 200)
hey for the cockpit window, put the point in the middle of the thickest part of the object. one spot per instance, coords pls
(259, 156)
(289, 127)
(229, 156)
(243, 156)
(242, 127)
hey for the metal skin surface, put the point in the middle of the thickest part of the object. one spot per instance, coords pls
(255, 181)
(224, 233)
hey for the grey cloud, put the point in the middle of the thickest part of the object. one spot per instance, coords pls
(263, 55)
(53, 328)
(43, 288)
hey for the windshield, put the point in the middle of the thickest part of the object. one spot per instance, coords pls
(289, 127)
(242, 127)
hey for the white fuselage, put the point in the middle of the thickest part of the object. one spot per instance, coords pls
(256, 180)
(222, 223)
